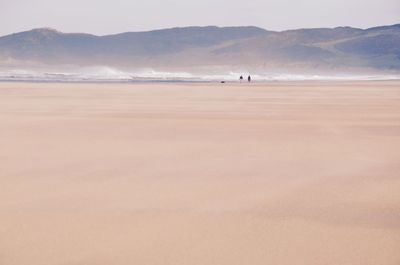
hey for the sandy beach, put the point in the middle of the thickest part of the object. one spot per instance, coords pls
(284, 173)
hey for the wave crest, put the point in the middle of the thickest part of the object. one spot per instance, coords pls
(93, 74)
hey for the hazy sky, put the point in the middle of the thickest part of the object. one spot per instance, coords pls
(105, 17)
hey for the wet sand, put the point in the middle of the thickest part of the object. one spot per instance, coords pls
(301, 173)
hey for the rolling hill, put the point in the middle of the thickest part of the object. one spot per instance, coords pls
(319, 48)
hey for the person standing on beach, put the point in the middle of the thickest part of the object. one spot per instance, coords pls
(249, 79)
(241, 79)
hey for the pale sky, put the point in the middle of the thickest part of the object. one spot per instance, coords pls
(107, 17)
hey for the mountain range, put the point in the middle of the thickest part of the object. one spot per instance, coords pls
(330, 49)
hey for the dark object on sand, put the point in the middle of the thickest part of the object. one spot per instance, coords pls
(241, 78)
(222, 82)
(249, 78)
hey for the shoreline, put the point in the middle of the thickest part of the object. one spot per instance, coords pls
(222, 82)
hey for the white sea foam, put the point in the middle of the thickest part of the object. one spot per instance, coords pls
(103, 74)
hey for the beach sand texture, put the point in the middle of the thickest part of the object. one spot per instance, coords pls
(303, 173)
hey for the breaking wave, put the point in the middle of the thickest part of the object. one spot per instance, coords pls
(104, 74)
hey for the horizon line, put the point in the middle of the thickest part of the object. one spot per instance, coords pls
(194, 26)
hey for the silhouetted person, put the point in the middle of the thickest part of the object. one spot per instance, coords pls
(241, 78)
(249, 78)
